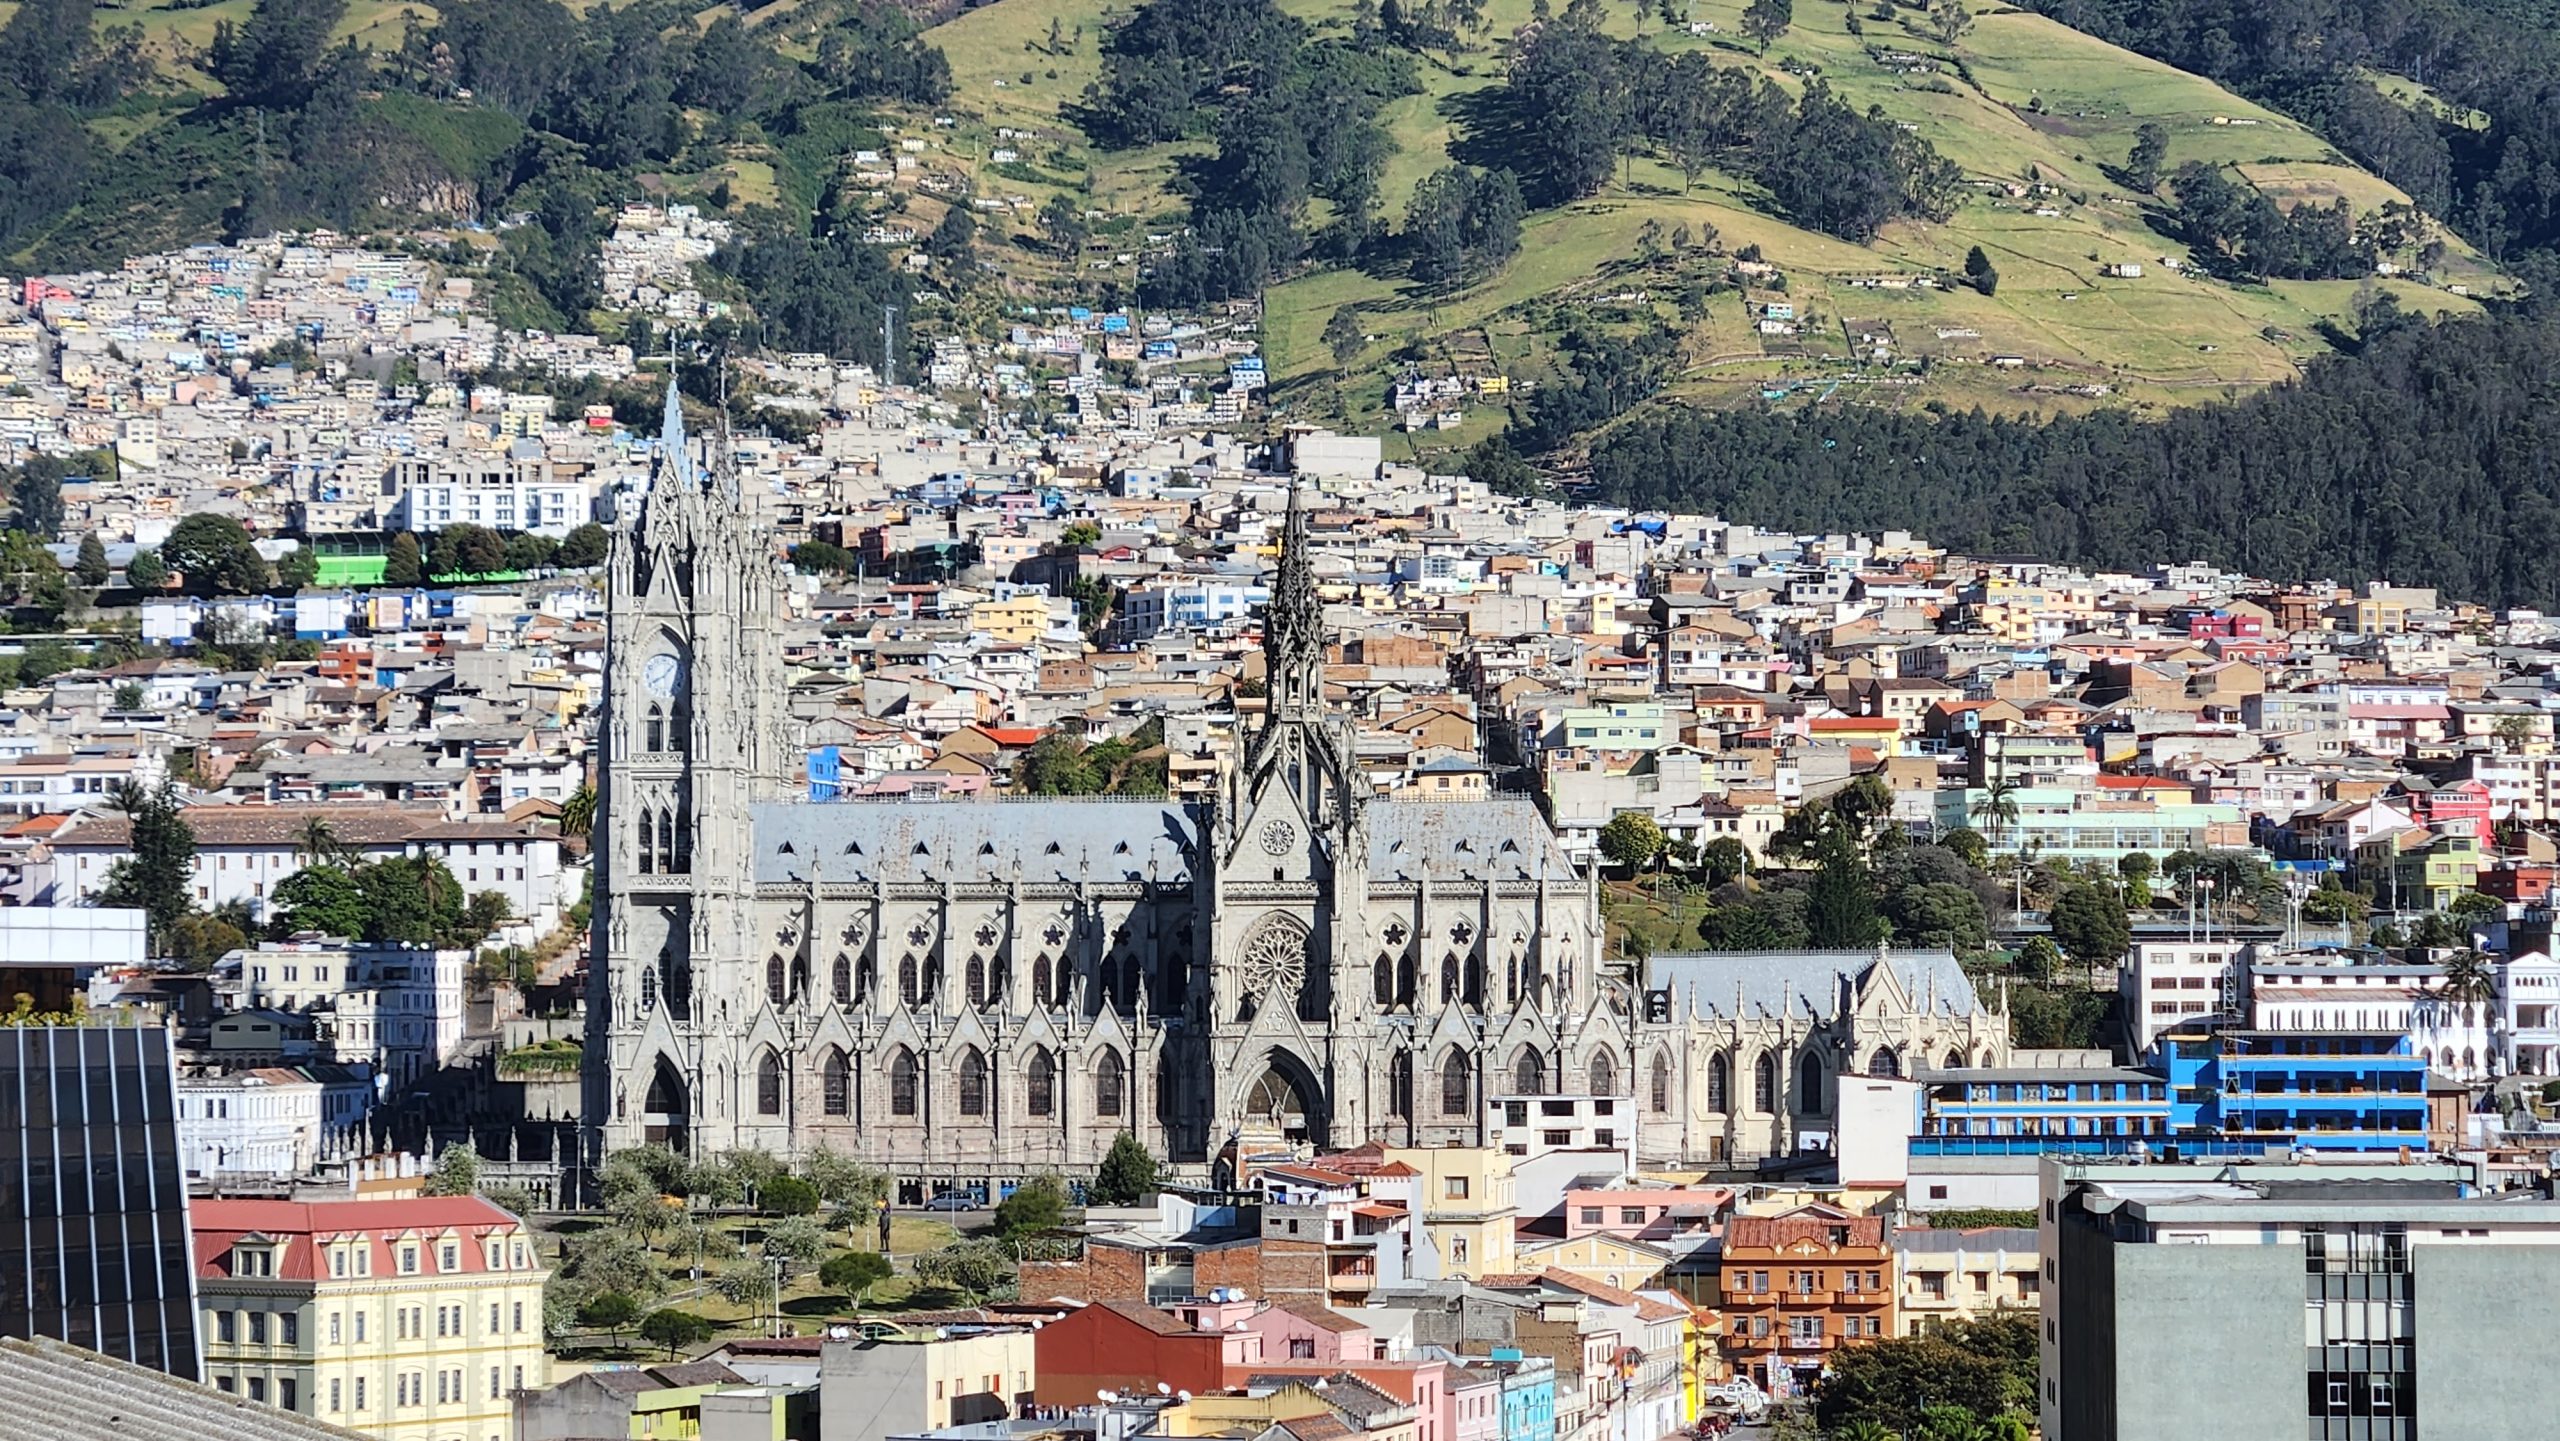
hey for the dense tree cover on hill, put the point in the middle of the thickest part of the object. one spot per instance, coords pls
(1575, 99)
(2235, 230)
(2428, 456)
(1295, 120)
(2308, 57)
(493, 106)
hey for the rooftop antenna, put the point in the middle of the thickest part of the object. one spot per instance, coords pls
(888, 346)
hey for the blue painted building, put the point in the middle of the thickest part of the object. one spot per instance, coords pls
(826, 773)
(2215, 1093)
(2042, 1103)
(2322, 1091)
(1528, 1394)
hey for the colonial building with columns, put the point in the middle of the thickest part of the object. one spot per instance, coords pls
(970, 990)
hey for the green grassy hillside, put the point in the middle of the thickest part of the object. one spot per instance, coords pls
(2038, 115)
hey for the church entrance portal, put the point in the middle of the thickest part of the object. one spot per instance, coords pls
(1279, 1104)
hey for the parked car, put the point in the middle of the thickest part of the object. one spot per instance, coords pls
(953, 1201)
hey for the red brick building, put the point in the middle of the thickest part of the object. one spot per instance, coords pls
(1131, 1346)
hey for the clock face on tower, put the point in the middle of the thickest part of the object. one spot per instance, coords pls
(659, 675)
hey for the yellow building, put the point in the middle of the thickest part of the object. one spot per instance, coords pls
(411, 1319)
(1377, 1416)
(1020, 620)
(1602, 1256)
(925, 1381)
(1464, 1196)
(1955, 1275)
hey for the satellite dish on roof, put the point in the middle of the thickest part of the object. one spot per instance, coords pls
(1162, 1389)
(1106, 1397)
(1184, 1396)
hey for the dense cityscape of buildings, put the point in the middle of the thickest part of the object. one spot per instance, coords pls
(1101, 770)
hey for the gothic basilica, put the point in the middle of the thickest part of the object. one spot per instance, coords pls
(965, 990)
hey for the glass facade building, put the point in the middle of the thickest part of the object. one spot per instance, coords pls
(94, 1246)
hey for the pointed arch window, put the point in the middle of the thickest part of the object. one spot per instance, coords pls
(776, 989)
(973, 1083)
(907, 992)
(977, 981)
(1604, 1075)
(1382, 983)
(1453, 1084)
(1809, 1085)
(648, 989)
(1400, 1086)
(1040, 1091)
(1886, 1063)
(841, 981)
(1110, 1083)
(1404, 980)
(1954, 1061)
(648, 844)
(1659, 1093)
(657, 728)
(1448, 980)
(769, 1084)
(1764, 1083)
(1719, 1083)
(1040, 981)
(837, 1078)
(1528, 1075)
(902, 1083)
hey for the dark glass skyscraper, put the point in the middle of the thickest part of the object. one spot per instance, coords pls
(94, 1247)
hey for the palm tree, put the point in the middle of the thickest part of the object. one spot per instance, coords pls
(1996, 807)
(578, 812)
(318, 844)
(1866, 1429)
(2467, 978)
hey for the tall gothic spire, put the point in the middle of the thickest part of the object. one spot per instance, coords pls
(1293, 626)
(675, 455)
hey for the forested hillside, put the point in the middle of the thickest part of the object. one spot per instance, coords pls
(2431, 457)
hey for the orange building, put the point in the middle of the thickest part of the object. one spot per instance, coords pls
(1796, 1287)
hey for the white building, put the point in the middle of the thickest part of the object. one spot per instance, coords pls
(2322, 992)
(2526, 1015)
(513, 490)
(244, 852)
(396, 1008)
(272, 1123)
(2171, 983)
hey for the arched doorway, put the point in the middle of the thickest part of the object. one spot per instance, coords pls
(668, 1110)
(1287, 1101)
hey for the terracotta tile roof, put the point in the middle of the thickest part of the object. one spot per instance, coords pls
(1324, 1317)
(1762, 1232)
(1142, 1314)
(302, 1225)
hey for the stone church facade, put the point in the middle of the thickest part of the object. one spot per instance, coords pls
(976, 990)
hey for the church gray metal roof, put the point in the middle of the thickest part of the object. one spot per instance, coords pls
(1083, 839)
(1820, 983)
(1096, 840)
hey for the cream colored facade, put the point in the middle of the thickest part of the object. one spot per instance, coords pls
(965, 1365)
(418, 1328)
(1947, 1276)
(1467, 1207)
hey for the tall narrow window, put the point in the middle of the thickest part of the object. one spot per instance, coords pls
(1448, 980)
(843, 980)
(977, 982)
(1110, 1078)
(907, 994)
(1528, 1074)
(1764, 1082)
(973, 1083)
(837, 1077)
(1660, 1090)
(1040, 982)
(1382, 983)
(1719, 1083)
(1604, 1075)
(902, 1083)
(648, 990)
(657, 728)
(1400, 1085)
(1453, 1085)
(1041, 1093)
(769, 1085)
(648, 844)
(774, 989)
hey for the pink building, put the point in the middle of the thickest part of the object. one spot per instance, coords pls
(1307, 1331)
(1655, 1213)
(1421, 1384)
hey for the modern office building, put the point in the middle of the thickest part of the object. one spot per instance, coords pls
(2337, 1301)
(2324, 1091)
(94, 1248)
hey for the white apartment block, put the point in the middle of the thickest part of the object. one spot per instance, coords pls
(510, 491)
(396, 1008)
